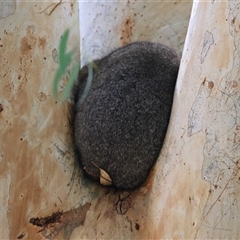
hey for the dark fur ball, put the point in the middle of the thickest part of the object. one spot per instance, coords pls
(121, 124)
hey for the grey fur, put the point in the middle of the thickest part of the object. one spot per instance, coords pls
(121, 124)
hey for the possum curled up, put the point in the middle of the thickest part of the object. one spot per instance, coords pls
(120, 125)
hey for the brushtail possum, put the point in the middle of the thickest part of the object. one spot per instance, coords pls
(120, 125)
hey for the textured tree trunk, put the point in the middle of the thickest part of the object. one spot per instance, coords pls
(193, 190)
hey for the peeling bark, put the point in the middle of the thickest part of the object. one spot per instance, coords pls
(60, 225)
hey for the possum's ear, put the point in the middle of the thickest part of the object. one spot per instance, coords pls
(81, 82)
(82, 79)
(83, 73)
